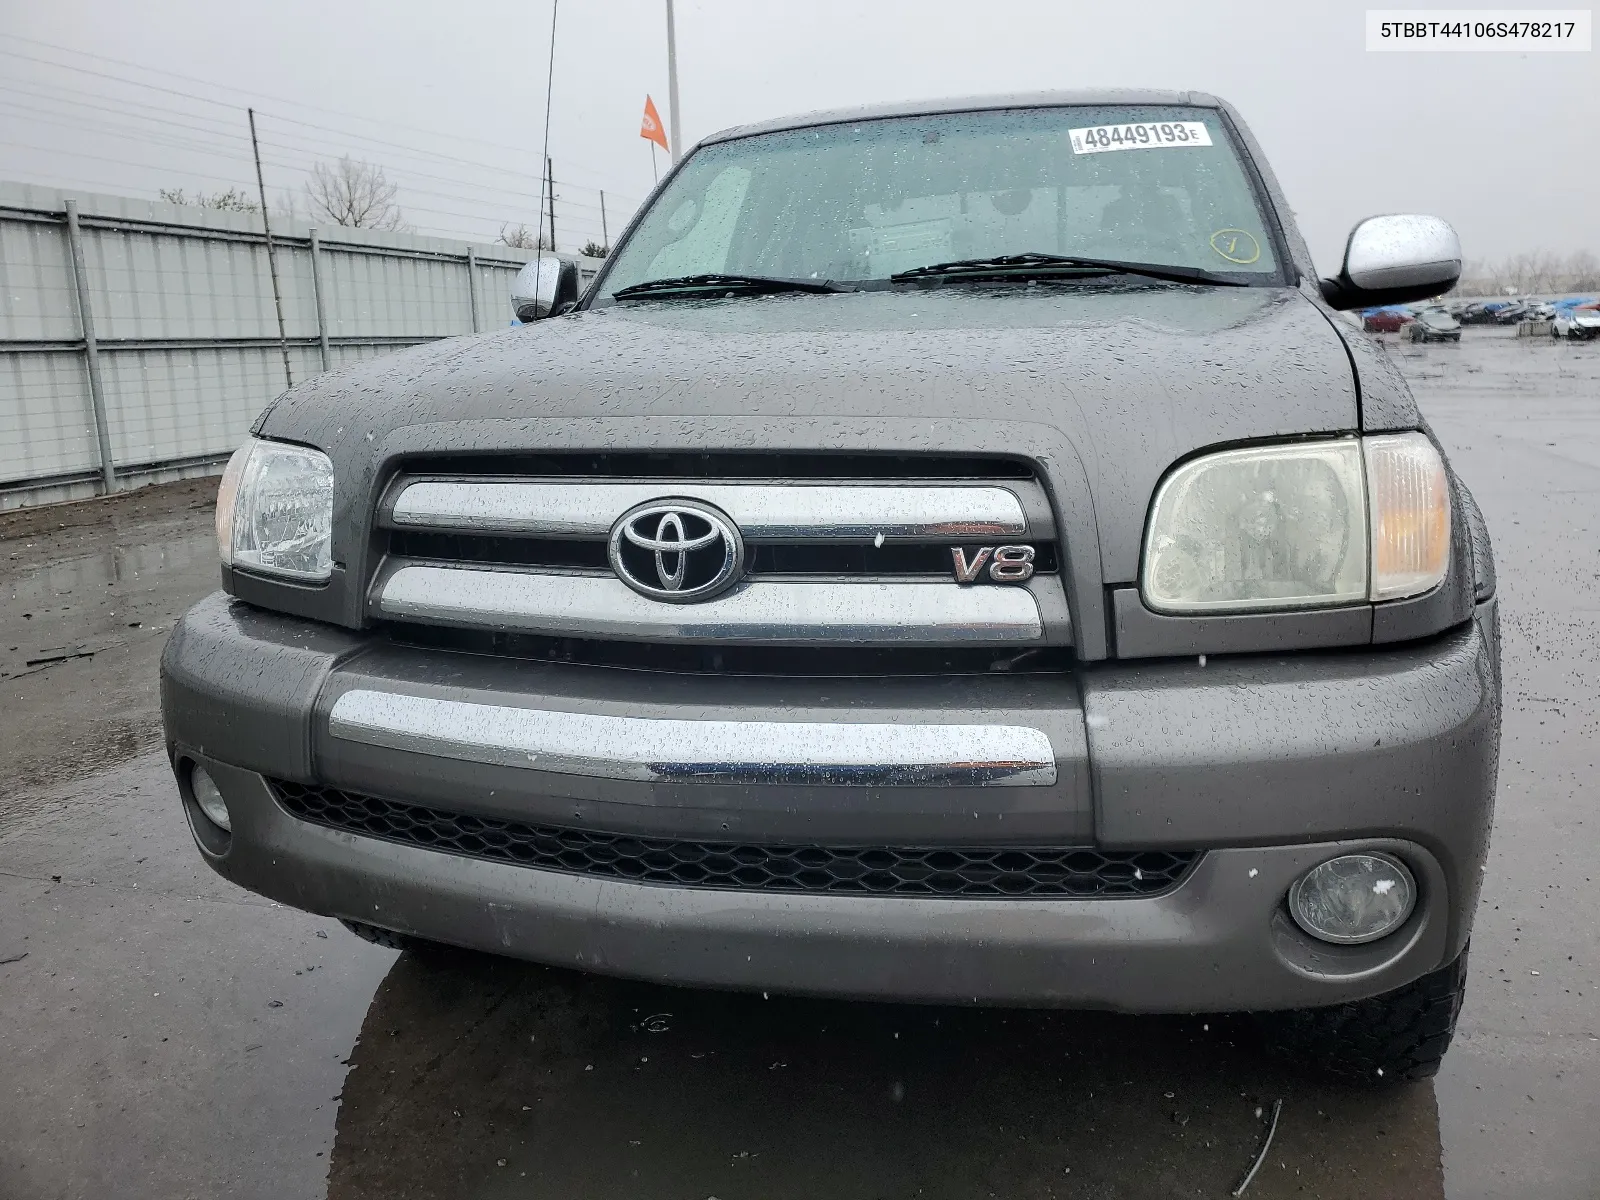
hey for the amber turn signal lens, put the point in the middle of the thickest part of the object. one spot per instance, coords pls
(1409, 498)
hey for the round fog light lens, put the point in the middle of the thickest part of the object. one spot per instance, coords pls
(209, 798)
(1354, 898)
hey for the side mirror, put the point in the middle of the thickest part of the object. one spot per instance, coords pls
(545, 285)
(1395, 259)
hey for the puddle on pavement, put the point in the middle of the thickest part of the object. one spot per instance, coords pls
(537, 1082)
(90, 603)
(80, 645)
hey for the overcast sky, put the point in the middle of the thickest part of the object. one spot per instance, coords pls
(449, 98)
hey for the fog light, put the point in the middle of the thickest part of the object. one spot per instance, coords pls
(209, 798)
(1354, 898)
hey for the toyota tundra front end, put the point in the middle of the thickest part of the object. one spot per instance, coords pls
(950, 553)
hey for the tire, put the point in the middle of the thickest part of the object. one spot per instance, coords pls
(388, 938)
(1393, 1038)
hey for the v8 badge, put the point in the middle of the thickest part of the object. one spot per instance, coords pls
(1006, 564)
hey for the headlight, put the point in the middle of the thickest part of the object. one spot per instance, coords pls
(1303, 525)
(275, 511)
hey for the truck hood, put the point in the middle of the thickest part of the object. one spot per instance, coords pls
(1106, 388)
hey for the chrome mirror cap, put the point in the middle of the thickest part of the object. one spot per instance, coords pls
(1403, 251)
(1394, 259)
(538, 287)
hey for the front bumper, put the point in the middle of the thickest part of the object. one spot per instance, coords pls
(1268, 764)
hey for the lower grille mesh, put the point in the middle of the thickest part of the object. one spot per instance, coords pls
(956, 871)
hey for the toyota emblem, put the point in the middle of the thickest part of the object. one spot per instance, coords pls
(679, 551)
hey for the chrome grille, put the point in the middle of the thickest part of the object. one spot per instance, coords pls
(836, 558)
(865, 561)
(810, 512)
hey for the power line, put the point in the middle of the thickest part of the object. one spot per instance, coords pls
(109, 129)
(163, 135)
(154, 87)
(466, 162)
(342, 144)
(451, 136)
(121, 108)
(160, 137)
(587, 223)
(121, 162)
(494, 198)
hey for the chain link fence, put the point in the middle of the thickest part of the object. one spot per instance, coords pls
(139, 340)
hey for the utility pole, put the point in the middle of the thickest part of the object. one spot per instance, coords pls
(605, 237)
(672, 82)
(550, 178)
(272, 254)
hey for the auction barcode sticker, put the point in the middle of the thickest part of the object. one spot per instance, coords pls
(1144, 136)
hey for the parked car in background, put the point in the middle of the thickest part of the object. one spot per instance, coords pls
(1385, 320)
(1539, 310)
(1434, 324)
(1580, 324)
(1510, 314)
(1478, 312)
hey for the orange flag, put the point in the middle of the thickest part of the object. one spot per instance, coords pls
(650, 128)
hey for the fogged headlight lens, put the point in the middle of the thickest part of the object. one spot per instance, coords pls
(275, 511)
(1260, 528)
(1299, 526)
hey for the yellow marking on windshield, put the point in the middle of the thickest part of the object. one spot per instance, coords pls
(1236, 245)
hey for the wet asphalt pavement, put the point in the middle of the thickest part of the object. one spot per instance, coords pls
(163, 1034)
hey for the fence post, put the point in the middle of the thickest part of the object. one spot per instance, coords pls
(316, 292)
(91, 349)
(472, 287)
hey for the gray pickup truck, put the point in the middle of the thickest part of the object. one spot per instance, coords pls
(952, 552)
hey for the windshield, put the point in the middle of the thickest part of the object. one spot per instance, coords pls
(864, 201)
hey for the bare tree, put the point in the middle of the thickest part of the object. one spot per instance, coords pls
(594, 250)
(232, 200)
(1532, 273)
(522, 238)
(1582, 272)
(1477, 278)
(354, 193)
(1543, 268)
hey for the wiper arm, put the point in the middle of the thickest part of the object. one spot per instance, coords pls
(714, 282)
(1037, 264)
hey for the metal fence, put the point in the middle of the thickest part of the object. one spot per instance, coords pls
(139, 340)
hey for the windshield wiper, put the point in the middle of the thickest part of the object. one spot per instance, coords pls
(714, 282)
(1035, 264)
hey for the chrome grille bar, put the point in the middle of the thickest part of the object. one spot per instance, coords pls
(764, 512)
(662, 750)
(772, 612)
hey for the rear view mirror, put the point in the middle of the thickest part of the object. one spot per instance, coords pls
(544, 286)
(1395, 259)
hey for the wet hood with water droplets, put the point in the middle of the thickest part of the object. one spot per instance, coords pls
(1107, 386)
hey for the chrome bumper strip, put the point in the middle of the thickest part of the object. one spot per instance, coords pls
(772, 612)
(582, 508)
(748, 752)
